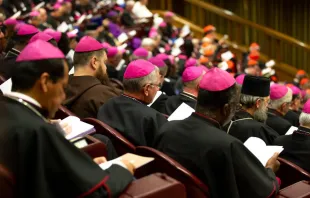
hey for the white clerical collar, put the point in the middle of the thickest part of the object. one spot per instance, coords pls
(24, 97)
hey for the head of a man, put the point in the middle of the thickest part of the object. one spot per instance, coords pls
(168, 17)
(114, 56)
(129, 5)
(191, 78)
(254, 96)
(42, 75)
(141, 80)
(140, 53)
(219, 99)
(22, 36)
(281, 98)
(296, 100)
(304, 118)
(43, 15)
(148, 44)
(163, 68)
(89, 59)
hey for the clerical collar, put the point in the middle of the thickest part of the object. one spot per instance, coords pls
(274, 112)
(28, 102)
(208, 119)
(24, 97)
(188, 95)
(134, 99)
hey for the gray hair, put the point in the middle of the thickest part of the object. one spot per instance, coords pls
(248, 101)
(304, 119)
(276, 104)
(135, 85)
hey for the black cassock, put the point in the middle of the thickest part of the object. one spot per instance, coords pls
(296, 147)
(292, 117)
(175, 101)
(160, 104)
(8, 63)
(132, 118)
(243, 126)
(45, 164)
(219, 160)
(277, 122)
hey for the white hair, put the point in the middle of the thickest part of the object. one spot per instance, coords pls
(135, 85)
(276, 104)
(147, 42)
(304, 119)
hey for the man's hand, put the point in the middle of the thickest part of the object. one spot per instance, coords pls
(273, 163)
(100, 160)
(129, 165)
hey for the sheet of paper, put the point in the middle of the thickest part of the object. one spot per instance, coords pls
(258, 148)
(40, 5)
(16, 15)
(136, 160)
(122, 38)
(181, 113)
(223, 66)
(81, 19)
(155, 98)
(78, 128)
(6, 87)
(179, 42)
(120, 65)
(63, 27)
(71, 71)
(185, 31)
(270, 63)
(227, 56)
(291, 130)
(81, 143)
(132, 33)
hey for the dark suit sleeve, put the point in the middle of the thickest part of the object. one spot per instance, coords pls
(253, 179)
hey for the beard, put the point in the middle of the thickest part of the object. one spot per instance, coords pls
(102, 77)
(261, 114)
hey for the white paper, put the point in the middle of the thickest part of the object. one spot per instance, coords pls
(120, 2)
(227, 56)
(223, 65)
(185, 31)
(122, 38)
(258, 148)
(120, 65)
(270, 63)
(63, 27)
(175, 51)
(71, 71)
(81, 19)
(155, 98)
(291, 130)
(79, 128)
(162, 50)
(132, 33)
(6, 87)
(181, 113)
(16, 15)
(179, 42)
(122, 47)
(40, 5)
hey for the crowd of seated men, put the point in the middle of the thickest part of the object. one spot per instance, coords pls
(120, 64)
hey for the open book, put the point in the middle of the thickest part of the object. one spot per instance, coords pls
(259, 148)
(182, 112)
(78, 128)
(291, 130)
(136, 160)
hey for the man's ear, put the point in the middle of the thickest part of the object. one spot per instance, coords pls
(225, 110)
(257, 103)
(146, 90)
(44, 79)
(93, 62)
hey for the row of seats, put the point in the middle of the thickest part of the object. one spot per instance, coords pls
(289, 172)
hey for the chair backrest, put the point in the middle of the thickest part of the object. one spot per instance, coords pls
(120, 143)
(290, 173)
(163, 163)
(6, 183)
(63, 112)
(298, 190)
(95, 147)
(155, 186)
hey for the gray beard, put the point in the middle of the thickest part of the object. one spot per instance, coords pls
(261, 115)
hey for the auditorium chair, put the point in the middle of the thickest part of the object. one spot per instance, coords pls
(121, 144)
(63, 112)
(290, 173)
(298, 190)
(95, 147)
(162, 163)
(156, 185)
(6, 183)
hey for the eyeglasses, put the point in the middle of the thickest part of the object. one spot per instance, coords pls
(159, 85)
